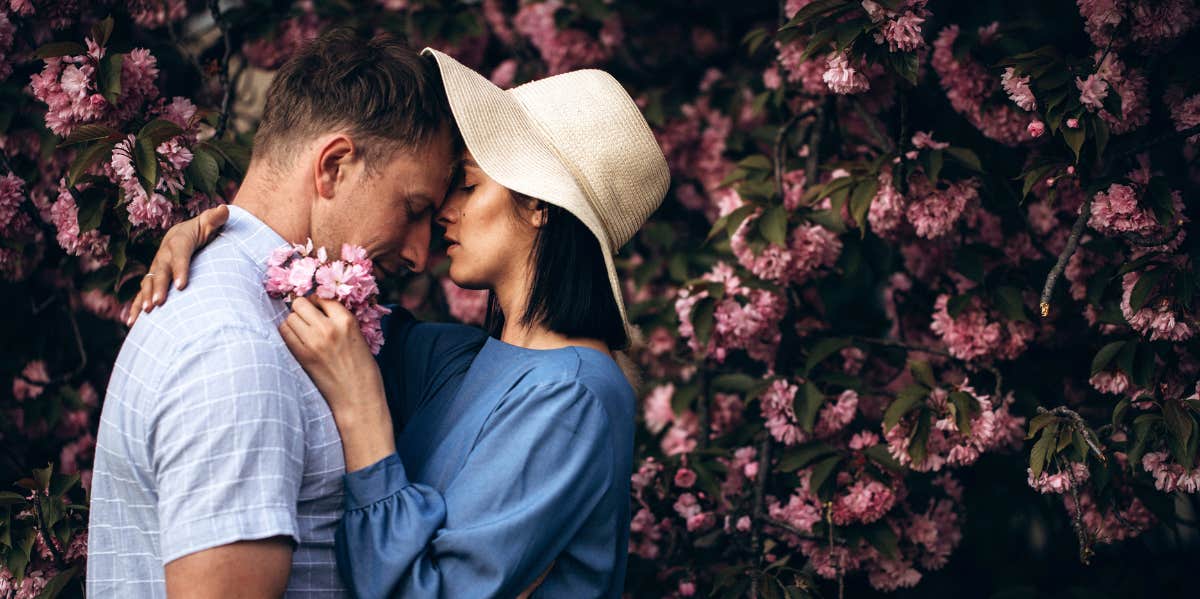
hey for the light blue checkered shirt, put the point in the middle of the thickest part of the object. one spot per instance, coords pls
(211, 433)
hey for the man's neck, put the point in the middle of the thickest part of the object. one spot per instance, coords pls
(270, 200)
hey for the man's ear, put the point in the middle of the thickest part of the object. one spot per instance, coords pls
(334, 156)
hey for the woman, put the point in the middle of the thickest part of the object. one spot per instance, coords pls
(514, 450)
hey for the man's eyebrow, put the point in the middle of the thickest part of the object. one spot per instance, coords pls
(419, 199)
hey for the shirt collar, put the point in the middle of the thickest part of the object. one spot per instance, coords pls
(252, 236)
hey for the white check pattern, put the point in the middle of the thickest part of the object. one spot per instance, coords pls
(211, 433)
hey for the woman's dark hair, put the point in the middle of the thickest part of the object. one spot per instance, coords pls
(571, 294)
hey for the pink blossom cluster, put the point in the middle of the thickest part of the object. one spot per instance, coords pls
(1114, 382)
(569, 48)
(976, 334)
(1185, 110)
(271, 51)
(469, 306)
(1119, 210)
(12, 195)
(1110, 522)
(64, 215)
(811, 248)
(992, 428)
(152, 14)
(1128, 83)
(1152, 25)
(1160, 318)
(1018, 89)
(926, 537)
(68, 87)
(297, 270)
(1168, 475)
(901, 31)
(745, 318)
(808, 73)
(777, 404)
(7, 36)
(695, 149)
(1073, 477)
(969, 86)
(842, 77)
(933, 210)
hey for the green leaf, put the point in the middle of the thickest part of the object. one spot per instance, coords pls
(823, 349)
(955, 305)
(1118, 415)
(736, 383)
(204, 171)
(757, 162)
(91, 203)
(821, 472)
(57, 49)
(1043, 449)
(803, 455)
(882, 538)
(10, 498)
(681, 401)
(809, 400)
(145, 160)
(702, 320)
(1145, 284)
(57, 584)
(1105, 356)
(234, 153)
(774, 225)
(933, 165)
(1033, 176)
(965, 408)
(1143, 365)
(922, 372)
(917, 442)
(813, 9)
(102, 31)
(1008, 302)
(100, 151)
(754, 39)
(1158, 193)
(966, 157)
(1180, 425)
(109, 78)
(880, 455)
(91, 132)
(1074, 139)
(1142, 427)
(904, 403)
(860, 202)
(1101, 131)
(1040, 422)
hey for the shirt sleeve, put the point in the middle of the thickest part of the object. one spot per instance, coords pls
(540, 467)
(226, 443)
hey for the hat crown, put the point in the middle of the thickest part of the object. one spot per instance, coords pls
(601, 137)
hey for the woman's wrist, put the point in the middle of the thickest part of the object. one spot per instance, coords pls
(367, 436)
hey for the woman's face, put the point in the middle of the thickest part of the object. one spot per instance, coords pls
(488, 242)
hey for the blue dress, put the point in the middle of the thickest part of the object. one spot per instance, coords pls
(507, 459)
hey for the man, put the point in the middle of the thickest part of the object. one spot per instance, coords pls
(218, 466)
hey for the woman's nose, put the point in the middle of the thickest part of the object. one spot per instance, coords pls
(448, 213)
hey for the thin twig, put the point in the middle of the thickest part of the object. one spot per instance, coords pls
(1162, 139)
(1085, 212)
(223, 67)
(1085, 545)
(814, 143)
(887, 144)
(1079, 425)
(781, 151)
(764, 464)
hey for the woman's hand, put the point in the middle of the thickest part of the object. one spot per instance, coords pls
(325, 338)
(173, 257)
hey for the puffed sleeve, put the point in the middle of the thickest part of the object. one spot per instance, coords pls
(542, 464)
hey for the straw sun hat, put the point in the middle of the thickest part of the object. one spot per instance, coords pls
(575, 140)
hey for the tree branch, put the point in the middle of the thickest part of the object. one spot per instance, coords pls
(1085, 212)
(223, 68)
(764, 465)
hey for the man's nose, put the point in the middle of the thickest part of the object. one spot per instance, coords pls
(416, 247)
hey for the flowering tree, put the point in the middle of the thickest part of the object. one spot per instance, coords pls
(923, 287)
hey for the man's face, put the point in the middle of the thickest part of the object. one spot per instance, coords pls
(388, 208)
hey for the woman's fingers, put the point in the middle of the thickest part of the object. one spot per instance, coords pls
(303, 308)
(207, 224)
(292, 339)
(335, 311)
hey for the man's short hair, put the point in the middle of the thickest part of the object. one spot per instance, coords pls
(378, 89)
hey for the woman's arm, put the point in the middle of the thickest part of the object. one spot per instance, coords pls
(173, 258)
(542, 465)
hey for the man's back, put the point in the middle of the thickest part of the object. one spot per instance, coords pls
(212, 434)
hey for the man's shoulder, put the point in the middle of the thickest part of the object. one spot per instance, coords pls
(225, 300)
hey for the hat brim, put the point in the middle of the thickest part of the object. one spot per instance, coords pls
(509, 146)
